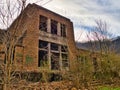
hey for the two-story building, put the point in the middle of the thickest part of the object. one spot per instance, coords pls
(48, 43)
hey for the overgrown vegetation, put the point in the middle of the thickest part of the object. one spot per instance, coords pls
(85, 76)
(97, 67)
(91, 68)
(108, 88)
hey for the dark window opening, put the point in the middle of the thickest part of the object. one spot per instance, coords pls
(43, 23)
(55, 61)
(65, 60)
(54, 27)
(64, 48)
(42, 62)
(64, 56)
(43, 44)
(54, 46)
(63, 30)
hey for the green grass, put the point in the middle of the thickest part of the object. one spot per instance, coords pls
(108, 88)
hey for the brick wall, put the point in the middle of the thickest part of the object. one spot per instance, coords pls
(29, 21)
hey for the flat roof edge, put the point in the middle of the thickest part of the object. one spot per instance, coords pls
(40, 7)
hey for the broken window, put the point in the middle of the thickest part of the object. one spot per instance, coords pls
(55, 61)
(65, 60)
(43, 54)
(42, 62)
(64, 53)
(64, 48)
(43, 23)
(54, 46)
(54, 27)
(43, 44)
(56, 55)
(63, 30)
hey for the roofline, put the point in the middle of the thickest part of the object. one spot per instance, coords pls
(40, 7)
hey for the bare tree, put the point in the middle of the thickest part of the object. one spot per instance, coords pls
(102, 35)
(102, 42)
(10, 37)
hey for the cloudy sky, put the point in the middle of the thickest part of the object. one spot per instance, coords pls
(83, 14)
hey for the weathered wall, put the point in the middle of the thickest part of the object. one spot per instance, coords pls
(2, 55)
(72, 46)
(29, 21)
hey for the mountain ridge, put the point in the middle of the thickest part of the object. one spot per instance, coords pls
(114, 44)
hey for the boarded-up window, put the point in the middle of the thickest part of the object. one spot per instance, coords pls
(18, 56)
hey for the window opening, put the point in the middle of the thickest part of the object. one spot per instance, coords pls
(64, 48)
(65, 60)
(43, 44)
(54, 46)
(54, 27)
(55, 61)
(42, 62)
(64, 53)
(63, 30)
(43, 23)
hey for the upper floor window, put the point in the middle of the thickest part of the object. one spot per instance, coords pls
(54, 27)
(43, 23)
(63, 30)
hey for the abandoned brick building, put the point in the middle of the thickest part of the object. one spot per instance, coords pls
(48, 43)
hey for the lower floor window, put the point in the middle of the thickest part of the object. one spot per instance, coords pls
(43, 61)
(65, 60)
(55, 56)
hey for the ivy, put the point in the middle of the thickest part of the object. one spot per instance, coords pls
(29, 59)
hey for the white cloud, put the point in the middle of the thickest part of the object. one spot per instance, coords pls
(84, 12)
(81, 35)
